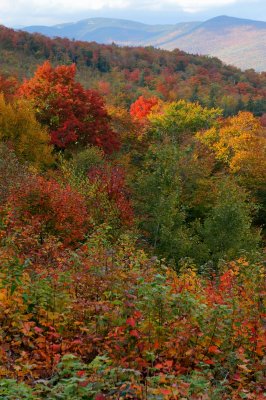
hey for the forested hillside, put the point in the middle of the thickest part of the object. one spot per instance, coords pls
(132, 220)
(236, 41)
(122, 74)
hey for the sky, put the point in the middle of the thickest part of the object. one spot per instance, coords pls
(19, 13)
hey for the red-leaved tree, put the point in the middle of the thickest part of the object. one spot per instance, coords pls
(49, 209)
(73, 114)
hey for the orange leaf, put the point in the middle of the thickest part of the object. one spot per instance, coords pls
(169, 363)
(165, 391)
(214, 350)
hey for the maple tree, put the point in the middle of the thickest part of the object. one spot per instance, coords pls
(143, 107)
(72, 114)
(49, 210)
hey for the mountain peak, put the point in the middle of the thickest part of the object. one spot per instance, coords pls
(225, 21)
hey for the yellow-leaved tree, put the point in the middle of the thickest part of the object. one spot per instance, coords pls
(240, 143)
(20, 130)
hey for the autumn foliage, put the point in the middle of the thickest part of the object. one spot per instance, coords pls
(111, 181)
(48, 209)
(131, 240)
(122, 74)
(72, 114)
(143, 107)
(20, 130)
(241, 144)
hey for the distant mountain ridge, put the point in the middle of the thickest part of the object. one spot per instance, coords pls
(236, 41)
(240, 42)
(106, 30)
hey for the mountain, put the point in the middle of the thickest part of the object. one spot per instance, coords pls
(108, 30)
(235, 41)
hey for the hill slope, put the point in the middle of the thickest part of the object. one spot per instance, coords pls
(235, 41)
(122, 74)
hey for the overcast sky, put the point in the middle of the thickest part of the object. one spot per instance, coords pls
(48, 12)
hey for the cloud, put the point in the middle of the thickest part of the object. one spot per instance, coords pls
(195, 6)
(54, 11)
(79, 5)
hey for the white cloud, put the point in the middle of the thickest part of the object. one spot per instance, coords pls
(194, 5)
(79, 5)
(51, 11)
(44, 5)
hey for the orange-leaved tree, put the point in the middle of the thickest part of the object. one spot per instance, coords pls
(143, 107)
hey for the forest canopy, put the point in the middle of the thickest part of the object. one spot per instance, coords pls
(132, 223)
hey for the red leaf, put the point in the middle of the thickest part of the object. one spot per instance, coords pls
(56, 348)
(134, 333)
(131, 322)
(210, 362)
(80, 373)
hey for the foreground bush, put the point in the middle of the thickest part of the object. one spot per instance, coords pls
(155, 334)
